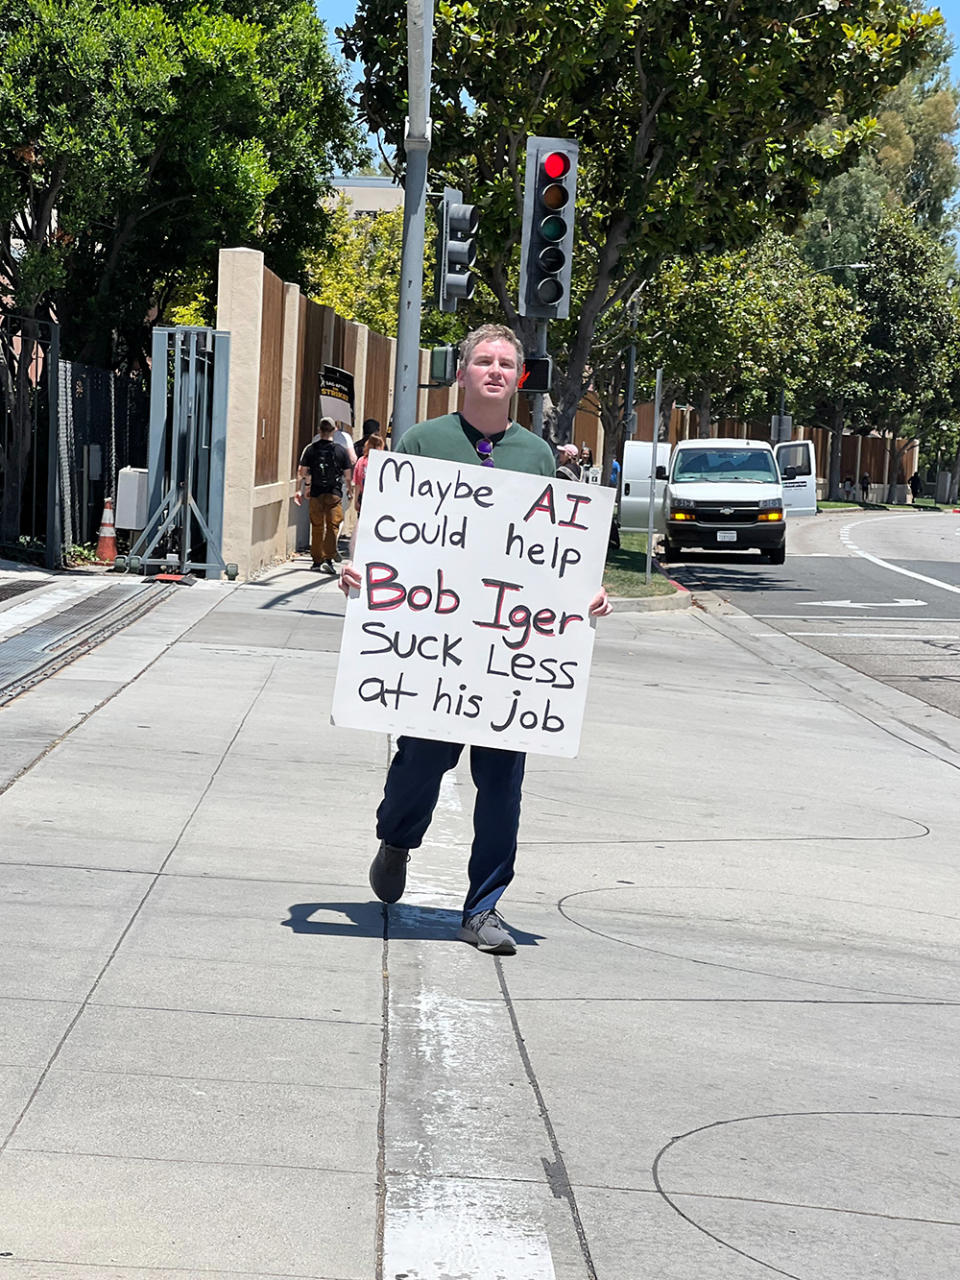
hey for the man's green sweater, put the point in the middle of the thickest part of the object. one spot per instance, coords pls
(515, 449)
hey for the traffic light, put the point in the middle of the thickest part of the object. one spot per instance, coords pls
(537, 372)
(443, 366)
(549, 205)
(456, 250)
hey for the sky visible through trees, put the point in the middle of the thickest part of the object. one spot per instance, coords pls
(338, 13)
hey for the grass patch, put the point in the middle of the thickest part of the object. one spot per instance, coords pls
(626, 567)
(924, 504)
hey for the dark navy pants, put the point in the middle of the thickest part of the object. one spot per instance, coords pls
(410, 797)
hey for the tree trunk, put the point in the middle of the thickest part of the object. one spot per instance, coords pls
(703, 428)
(836, 453)
(668, 398)
(954, 493)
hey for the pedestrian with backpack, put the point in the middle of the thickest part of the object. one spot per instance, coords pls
(325, 463)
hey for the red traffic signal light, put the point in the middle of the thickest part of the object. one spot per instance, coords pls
(549, 202)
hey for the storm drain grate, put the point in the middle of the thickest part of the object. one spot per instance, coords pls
(10, 589)
(26, 657)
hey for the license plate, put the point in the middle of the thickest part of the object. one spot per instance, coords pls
(726, 535)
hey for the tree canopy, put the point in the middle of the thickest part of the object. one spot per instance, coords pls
(138, 138)
(694, 119)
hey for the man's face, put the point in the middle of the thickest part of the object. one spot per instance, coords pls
(491, 376)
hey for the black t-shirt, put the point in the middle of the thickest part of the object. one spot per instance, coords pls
(327, 461)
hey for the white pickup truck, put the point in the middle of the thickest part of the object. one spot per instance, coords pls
(720, 494)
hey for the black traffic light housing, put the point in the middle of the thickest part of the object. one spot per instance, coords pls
(456, 250)
(443, 366)
(537, 372)
(549, 206)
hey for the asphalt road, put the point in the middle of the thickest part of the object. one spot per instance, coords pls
(879, 591)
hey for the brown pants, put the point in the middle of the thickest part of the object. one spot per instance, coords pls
(326, 517)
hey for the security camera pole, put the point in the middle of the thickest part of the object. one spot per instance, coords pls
(416, 148)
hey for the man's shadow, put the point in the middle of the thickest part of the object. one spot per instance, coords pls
(377, 920)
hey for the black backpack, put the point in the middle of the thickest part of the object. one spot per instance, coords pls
(325, 469)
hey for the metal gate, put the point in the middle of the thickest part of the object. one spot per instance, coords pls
(186, 454)
(30, 516)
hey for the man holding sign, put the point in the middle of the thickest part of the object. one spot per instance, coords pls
(491, 360)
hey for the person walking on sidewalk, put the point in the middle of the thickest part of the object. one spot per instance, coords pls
(326, 464)
(865, 486)
(491, 360)
(568, 468)
(373, 443)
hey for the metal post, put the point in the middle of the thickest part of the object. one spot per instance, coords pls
(655, 434)
(53, 552)
(159, 373)
(630, 393)
(536, 407)
(417, 151)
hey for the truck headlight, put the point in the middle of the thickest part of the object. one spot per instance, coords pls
(771, 509)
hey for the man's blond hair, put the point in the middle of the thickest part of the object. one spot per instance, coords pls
(490, 333)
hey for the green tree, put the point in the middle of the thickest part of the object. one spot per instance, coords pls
(357, 272)
(909, 161)
(694, 121)
(136, 139)
(912, 338)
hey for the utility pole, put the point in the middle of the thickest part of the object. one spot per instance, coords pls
(416, 146)
(655, 437)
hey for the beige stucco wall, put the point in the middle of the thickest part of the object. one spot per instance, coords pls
(239, 311)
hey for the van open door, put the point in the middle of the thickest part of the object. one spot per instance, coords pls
(798, 470)
(635, 485)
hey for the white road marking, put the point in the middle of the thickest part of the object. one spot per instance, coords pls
(873, 635)
(838, 617)
(847, 540)
(899, 603)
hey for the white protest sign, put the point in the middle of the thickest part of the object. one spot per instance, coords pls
(471, 625)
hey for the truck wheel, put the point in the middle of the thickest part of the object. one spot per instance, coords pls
(777, 555)
(671, 551)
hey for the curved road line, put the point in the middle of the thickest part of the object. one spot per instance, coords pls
(885, 564)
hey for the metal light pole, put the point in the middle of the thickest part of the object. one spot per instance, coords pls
(416, 146)
(655, 440)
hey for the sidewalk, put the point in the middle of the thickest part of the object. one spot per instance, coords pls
(726, 1048)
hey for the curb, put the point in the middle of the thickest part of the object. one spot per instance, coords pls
(681, 599)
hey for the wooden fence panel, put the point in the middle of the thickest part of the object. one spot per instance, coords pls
(377, 399)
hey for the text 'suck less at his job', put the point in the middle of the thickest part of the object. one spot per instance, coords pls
(474, 599)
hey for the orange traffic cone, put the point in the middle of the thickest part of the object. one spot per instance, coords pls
(107, 538)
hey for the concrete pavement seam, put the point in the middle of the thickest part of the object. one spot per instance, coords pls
(558, 1177)
(380, 1219)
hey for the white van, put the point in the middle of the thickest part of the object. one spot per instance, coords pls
(724, 495)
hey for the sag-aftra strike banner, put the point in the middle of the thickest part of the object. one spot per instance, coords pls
(471, 625)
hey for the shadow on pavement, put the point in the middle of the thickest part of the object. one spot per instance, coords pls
(365, 920)
(716, 571)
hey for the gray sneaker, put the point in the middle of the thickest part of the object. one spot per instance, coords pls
(388, 872)
(487, 931)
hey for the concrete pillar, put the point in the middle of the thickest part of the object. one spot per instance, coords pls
(240, 312)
